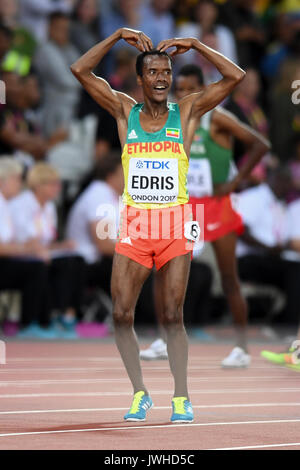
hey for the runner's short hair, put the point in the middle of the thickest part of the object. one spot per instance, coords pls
(191, 69)
(140, 59)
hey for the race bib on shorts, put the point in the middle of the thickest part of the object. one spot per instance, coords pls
(192, 231)
(199, 178)
(153, 180)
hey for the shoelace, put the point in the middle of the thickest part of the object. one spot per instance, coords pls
(136, 404)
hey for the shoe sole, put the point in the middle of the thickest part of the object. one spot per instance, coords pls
(137, 419)
(159, 358)
(182, 421)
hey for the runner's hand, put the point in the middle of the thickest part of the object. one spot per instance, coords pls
(137, 39)
(182, 45)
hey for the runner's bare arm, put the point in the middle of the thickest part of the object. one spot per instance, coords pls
(199, 103)
(257, 145)
(111, 100)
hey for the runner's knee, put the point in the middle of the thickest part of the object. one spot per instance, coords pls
(123, 317)
(172, 316)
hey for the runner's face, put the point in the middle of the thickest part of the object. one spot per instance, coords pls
(157, 78)
(186, 85)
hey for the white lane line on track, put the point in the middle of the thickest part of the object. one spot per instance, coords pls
(24, 383)
(87, 410)
(144, 427)
(154, 392)
(264, 446)
(166, 368)
(95, 358)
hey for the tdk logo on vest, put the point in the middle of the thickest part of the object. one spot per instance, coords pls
(153, 165)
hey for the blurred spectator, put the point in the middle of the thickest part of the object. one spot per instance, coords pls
(22, 45)
(35, 218)
(261, 249)
(19, 270)
(99, 200)
(244, 103)
(124, 69)
(123, 13)
(6, 37)
(9, 10)
(241, 18)
(214, 35)
(34, 15)
(183, 11)
(18, 135)
(60, 88)
(284, 114)
(157, 21)
(294, 166)
(286, 45)
(153, 18)
(85, 25)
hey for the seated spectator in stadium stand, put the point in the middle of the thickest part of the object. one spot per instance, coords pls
(245, 23)
(18, 135)
(153, 18)
(284, 113)
(34, 15)
(214, 35)
(35, 218)
(20, 269)
(9, 11)
(157, 20)
(52, 62)
(261, 250)
(284, 46)
(102, 193)
(244, 103)
(6, 36)
(124, 69)
(85, 27)
(21, 42)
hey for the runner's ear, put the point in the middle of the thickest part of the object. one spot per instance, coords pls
(139, 80)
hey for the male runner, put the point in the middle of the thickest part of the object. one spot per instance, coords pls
(154, 135)
(210, 182)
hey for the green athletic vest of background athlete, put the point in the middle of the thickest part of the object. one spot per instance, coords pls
(220, 168)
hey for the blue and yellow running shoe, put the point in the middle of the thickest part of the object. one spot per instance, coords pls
(182, 410)
(140, 405)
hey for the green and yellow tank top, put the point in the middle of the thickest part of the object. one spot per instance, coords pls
(210, 163)
(155, 164)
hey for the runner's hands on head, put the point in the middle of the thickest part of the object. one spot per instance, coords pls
(137, 39)
(182, 45)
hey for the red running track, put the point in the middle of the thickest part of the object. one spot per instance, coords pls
(74, 396)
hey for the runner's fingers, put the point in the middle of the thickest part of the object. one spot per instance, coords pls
(148, 42)
(164, 45)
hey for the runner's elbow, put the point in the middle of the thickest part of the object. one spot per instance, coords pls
(76, 69)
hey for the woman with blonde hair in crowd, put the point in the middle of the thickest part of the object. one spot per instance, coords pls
(21, 261)
(35, 218)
